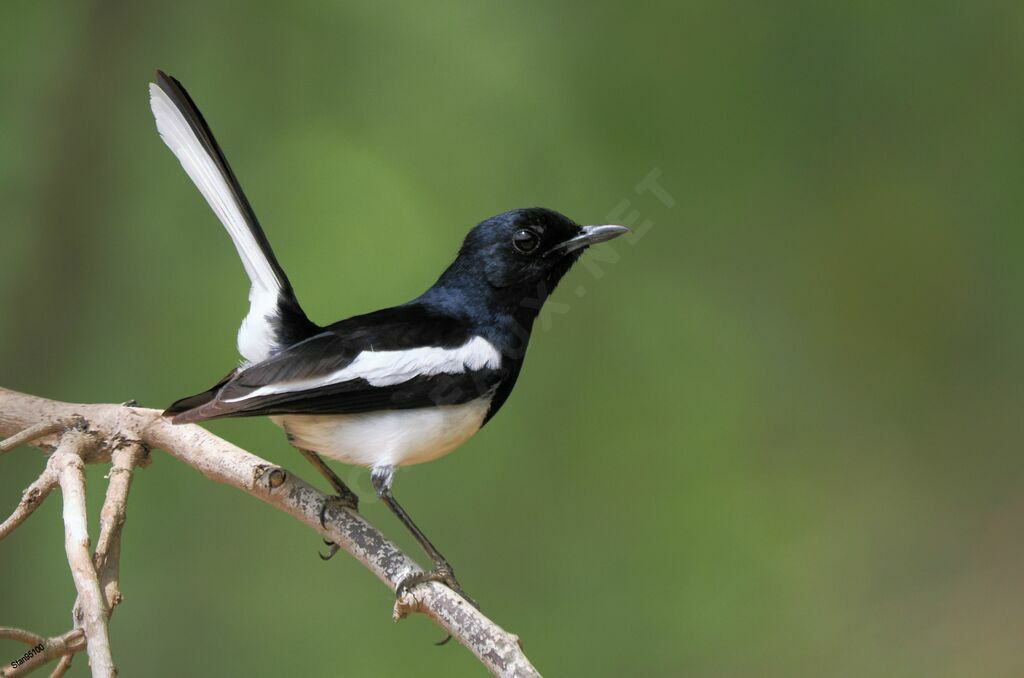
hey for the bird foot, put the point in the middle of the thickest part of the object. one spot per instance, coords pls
(441, 573)
(349, 501)
(332, 548)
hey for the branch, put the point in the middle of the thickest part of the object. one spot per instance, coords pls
(31, 433)
(69, 466)
(63, 646)
(31, 499)
(107, 558)
(225, 463)
(63, 665)
(20, 635)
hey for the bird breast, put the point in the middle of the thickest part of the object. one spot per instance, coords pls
(387, 437)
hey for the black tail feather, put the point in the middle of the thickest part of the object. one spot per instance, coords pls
(190, 111)
(199, 399)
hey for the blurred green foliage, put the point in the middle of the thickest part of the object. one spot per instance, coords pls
(779, 436)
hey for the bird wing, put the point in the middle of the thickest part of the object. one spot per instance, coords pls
(389, 360)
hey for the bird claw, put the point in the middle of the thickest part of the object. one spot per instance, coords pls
(349, 501)
(442, 573)
(332, 548)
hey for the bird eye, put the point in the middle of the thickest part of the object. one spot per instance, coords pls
(525, 240)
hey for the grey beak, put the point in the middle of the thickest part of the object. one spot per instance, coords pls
(589, 235)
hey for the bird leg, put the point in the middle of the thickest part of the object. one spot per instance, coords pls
(345, 497)
(442, 571)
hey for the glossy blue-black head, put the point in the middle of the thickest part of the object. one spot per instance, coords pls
(521, 255)
(528, 246)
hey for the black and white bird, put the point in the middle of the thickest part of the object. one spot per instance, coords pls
(395, 387)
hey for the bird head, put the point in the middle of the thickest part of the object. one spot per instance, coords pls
(522, 254)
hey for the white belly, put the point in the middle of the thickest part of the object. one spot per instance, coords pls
(387, 437)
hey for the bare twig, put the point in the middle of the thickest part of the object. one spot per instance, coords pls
(20, 635)
(32, 433)
(107, 558)
(62, 646)
(223, 462)
(62, 666)
(31, 499)
(67, 462)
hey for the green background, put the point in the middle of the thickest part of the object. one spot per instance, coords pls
(779, 435)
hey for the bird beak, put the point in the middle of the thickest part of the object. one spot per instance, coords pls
(589, 235)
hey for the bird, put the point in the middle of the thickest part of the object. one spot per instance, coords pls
(387, 389)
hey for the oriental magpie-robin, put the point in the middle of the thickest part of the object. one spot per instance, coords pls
(395, 387)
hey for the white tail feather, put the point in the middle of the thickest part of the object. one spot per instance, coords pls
(201, 168)
(256, 337)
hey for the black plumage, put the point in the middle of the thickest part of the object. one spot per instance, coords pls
(463, 303)
(397, 386)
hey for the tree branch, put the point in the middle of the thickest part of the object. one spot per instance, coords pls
(63, 665)
(31, 433)
(31, 499)
(20, 635)
(63, 646)
(94, 613)
(123, 427)
(107, 558)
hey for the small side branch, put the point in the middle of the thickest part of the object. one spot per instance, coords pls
(68, 464)
(32, 433)
(63, 646)
(107, 558)
(31, 499)
(20, 635)
(62, 666)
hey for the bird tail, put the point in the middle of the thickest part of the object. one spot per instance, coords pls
(189, 405)
(275, 319)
